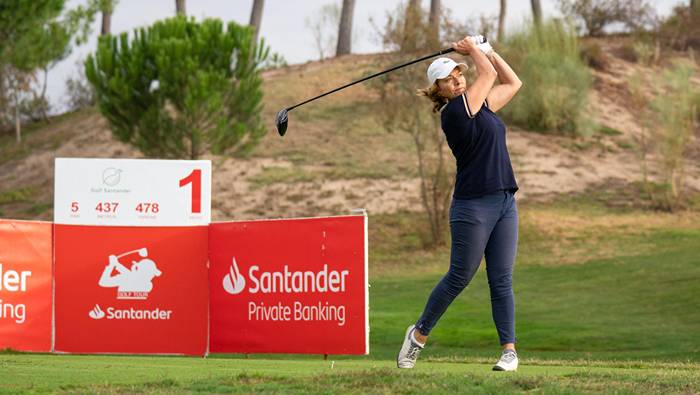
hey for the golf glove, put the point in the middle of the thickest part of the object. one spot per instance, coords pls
(478, 39)
(485, 47)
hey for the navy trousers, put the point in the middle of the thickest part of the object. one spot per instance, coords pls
(485, 226)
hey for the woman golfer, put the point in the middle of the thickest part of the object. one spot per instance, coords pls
(483, 215)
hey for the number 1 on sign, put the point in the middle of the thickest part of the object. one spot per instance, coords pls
(194, 178)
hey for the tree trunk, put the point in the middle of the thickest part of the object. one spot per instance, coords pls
(695, 7)
(536, 12)
(106, 21)
(180, 7)
(256, 18)
(345, 28)
(18, 124)
(434, 22)
(411, 21)
(502, 22)
(43, 96)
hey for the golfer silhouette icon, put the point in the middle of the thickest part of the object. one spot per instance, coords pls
(134, 283)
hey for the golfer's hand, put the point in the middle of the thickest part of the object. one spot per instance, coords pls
(465, 46)
(485, 48)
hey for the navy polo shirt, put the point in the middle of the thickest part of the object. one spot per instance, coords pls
(478, 142)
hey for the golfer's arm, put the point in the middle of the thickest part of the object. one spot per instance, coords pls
(487, 75)
(509, 85)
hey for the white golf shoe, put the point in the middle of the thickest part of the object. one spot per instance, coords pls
(508, 361)
(409, 350)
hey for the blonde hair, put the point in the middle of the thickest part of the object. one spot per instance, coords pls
(433, 93)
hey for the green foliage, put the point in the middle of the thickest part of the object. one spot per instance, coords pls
(644, 52)
(675, 109)
(555, 79)
(669, 120)
(34, 35)
(16, 195)
(178, 88)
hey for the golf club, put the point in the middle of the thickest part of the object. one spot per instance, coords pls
(143, 252)
(283, 114)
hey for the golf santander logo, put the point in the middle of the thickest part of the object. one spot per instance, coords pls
(286, 283)
(133, 283)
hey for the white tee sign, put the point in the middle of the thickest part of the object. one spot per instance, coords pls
(132, 192)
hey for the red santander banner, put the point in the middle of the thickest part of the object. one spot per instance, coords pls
(289, 286)
(131, 290)
(25, 285)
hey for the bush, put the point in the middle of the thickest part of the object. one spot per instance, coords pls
(670, 120)
(681, 30)
(595, 15)
(676, 110)
(80, 94)
(594, 55)
(555, 79)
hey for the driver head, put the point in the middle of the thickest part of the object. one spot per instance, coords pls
(282, 121)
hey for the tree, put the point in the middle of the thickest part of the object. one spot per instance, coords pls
(179, 88)
(107, 7)
(323, 25)
(411, 19)
(345, 28)
(256, 18)
(596, 15)
(404, 112)
(502, 22)
(434, 22)
(34, 35)
(536, 12)
(180, 7)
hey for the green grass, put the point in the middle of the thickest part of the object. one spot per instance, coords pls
(609, 131)
(16, 196)
(605, 303)
(118, 374)
(623, 308)
(37, 135)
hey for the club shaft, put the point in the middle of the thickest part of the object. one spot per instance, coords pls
(442, 52)
(127, 253)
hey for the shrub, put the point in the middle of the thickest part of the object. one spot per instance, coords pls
(681, 30)
(594, 55)
(79, 92)
(555, 79)
(595, 15)
(670, 120)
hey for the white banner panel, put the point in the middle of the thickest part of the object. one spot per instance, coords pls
(132, 192)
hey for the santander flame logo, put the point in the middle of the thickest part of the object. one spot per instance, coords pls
(234, 282)
(96, 313)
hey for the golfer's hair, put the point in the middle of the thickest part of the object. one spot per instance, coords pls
(433, 93)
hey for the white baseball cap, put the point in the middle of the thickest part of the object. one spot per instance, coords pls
(442, 67)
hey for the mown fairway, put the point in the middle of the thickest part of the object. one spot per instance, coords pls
(606, 302)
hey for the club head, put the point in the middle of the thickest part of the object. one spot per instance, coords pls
(282, 120)
(143, 252)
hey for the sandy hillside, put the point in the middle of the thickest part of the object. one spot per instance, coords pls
(336, 157)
